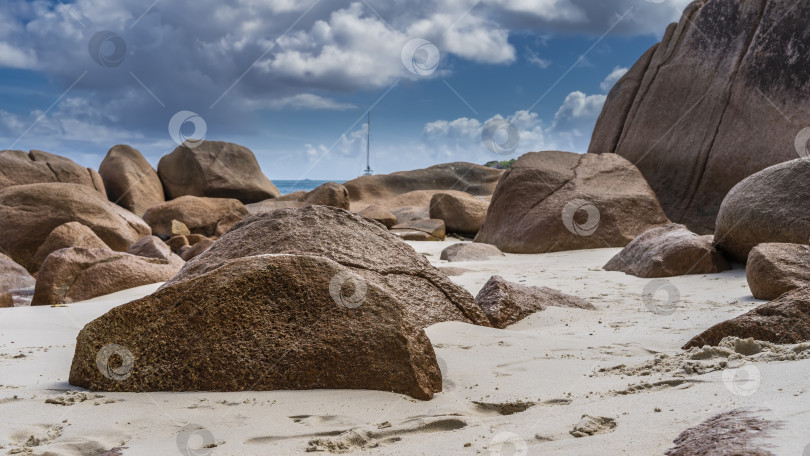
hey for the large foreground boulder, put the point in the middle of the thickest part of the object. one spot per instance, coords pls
(770, 206)
(130, 180)
(774, 269)
(28, 214)
(363, 246)
(724, 95)
(217, 170)
(76, 274)
(205, 216)
(785, 320)
(461, 214)
(328, 194)
(667, 251)
(554, 201)
(506, 303)
(268, 322)
(72, 234)
(38, 167)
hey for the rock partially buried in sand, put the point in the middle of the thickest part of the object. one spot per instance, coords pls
(72, 234)
(774, 269)
(461, 214)
(506, 303)
(420, 230)
(470, 251)
(266, 322)
(785, 320)
(769, 206)
(205, 216)
(216, 170)
(556, 201)
(729, 433)
(359, 244)
(28, 214)
(76, 274)
(38, 167)
(593, 425)
(667, 251)
(130, 180)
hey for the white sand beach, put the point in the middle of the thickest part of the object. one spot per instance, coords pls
(518, 391)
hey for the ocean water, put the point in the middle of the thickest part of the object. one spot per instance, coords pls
(290, 186)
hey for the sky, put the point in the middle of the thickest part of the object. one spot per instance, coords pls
(293, 80)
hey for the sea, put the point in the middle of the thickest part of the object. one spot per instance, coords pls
(290, 186)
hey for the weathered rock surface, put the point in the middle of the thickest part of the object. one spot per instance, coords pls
(38, 167)
(72, 234)
(130, 180)
(206, 216)
(13, 276)
(216, 170)
(379, 214)
(153, 247)
(769, 206)
(785, 320)
(464, 177)
(6, 300)
(506, 303)
(359, 244)
(328, 194)
(420, 230)
(667, 251)
(230, 330)
(76, 274)
(28, 214)
(774, 269)
(461, 214)
(411, 213)
(723, 96)
(470, 251)
(176, 242)
(738, 432)
(554, 201)
(197, 249)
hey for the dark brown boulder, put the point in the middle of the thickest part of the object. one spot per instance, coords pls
(379, 214)
(738, 432)
(177, 242)
(506, 303)
(76, 274)
(205, 216)
(130, 180)
(722, 97)
(216, 170)
(420, 230)
(197, 249)
(72, 234)
(461, 214)
(6, 300)
(667, 251)
(470, 251)
(38, 167)
(785, 320)
(769, 206)
(555, 201)
(267, 322)
(774, 269)
(328, 194)
(28, 214)
(359, 244)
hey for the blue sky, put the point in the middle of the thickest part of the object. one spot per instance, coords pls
(292, 79)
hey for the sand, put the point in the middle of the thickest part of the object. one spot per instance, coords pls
(616, 378)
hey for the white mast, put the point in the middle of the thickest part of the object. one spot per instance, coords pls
(368, 171)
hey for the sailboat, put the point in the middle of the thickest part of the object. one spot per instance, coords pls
(368, 171)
